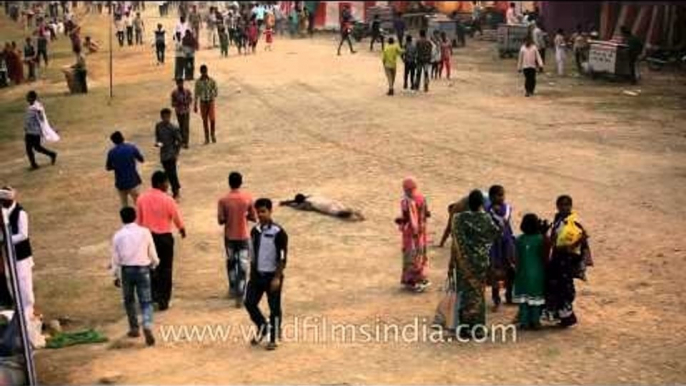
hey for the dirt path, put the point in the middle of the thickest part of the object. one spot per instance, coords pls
(301, 119)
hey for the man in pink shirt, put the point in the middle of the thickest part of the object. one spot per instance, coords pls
(156, 211)
(234, 211)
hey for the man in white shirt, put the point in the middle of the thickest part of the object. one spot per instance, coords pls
(128, 22)
(133, 256)
(121, 30)
(181, 27)
(511, 15)
(18, 222)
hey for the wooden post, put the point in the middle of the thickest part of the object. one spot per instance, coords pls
(111, 74)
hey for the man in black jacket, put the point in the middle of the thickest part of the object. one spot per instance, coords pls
(376, 33)
(270, 249)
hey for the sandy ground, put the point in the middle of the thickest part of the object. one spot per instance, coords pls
(300, 119)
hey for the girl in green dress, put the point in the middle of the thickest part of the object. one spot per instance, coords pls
(532, 252)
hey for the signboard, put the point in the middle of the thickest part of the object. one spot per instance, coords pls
(603, 58)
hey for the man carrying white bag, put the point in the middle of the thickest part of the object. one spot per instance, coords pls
(37, 129)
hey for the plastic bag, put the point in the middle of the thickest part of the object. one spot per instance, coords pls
(569, 233)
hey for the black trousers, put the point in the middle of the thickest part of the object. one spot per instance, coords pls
(257, 286)
(129, 35)
(82, 76)
(120, 38)
(345, 37)
(541, 51)
(184, 126)
(180, 68)
(375, 38)
(530, 80)
(190, 68)
(162, 276)
(6, 299)
(139, 36)
(159, 51)
(42, 52)
(410, 69)
(170, 170)
(33, 142)
(578, 58)
(509, 285)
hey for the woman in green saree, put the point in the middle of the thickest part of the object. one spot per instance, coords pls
(474, 231)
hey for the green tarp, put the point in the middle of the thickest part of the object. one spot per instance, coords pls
(66, 339)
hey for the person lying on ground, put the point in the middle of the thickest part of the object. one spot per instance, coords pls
(323, 205)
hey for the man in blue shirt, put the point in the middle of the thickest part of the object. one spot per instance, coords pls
(122, 159)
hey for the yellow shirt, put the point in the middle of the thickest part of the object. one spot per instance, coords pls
(390, 55)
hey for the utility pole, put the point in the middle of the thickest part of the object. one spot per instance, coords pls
(111, 74)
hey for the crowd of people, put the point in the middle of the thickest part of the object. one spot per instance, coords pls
(45, 21)
(537, 268)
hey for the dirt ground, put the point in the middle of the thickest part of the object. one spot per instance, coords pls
(301, 119)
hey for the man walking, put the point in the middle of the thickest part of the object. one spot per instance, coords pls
(376, 34)
(540, 39)
(133, 258)
(195, 20)
(168, 139)
(270, 246)
(189, 48)
(389, 58)
(120, 26)
(181, 99)
(128, 22)
(34, 120)
(160, 44)
(156, 211)
(635, 50)
(139, 28)
(424, 48)
(42, 42)
(235, 209)
(346, 29)
(399, 27)
(205, 93)
(122, 159)
(410, 60)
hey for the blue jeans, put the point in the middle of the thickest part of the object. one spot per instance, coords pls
(136, 281)
(237, 261)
